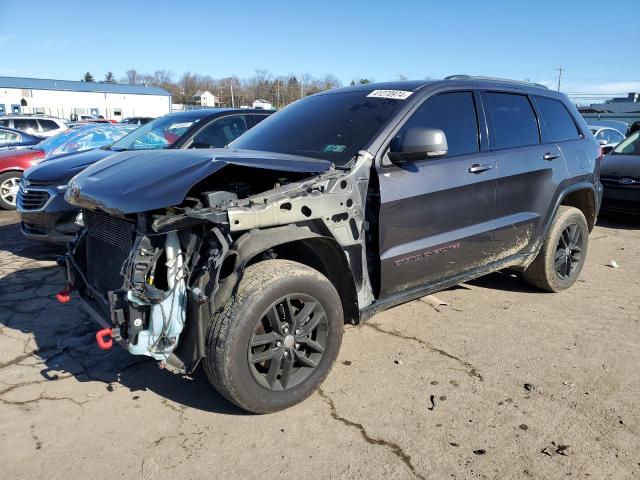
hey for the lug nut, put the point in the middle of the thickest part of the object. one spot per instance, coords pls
(278, 344)
(297, 331)
(297, 346)
(286, 354)
(286, 330)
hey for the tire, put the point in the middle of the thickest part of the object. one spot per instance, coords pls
(254, 315)
(8, 193)
(563, 253)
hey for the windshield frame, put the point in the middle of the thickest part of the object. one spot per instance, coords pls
(634, 137)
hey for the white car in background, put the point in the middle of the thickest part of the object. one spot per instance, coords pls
(39, 125)
(608, 137)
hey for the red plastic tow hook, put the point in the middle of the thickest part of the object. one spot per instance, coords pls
(64, 296)
(100, 338)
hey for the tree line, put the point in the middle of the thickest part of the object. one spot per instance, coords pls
(231, 91)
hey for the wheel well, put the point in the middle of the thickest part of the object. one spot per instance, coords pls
(583, 200)
(324, 255)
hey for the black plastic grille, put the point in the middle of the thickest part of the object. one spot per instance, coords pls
(108, 241)
(32, 199)
(34, 228)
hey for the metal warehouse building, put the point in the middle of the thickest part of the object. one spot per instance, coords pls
(62, 98)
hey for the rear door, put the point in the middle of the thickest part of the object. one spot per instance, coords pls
(530, 167)
(436, 215)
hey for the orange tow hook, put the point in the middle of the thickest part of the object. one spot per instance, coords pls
(104, 344)
(64, 296)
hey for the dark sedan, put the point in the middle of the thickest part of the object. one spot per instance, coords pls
(11, 138)
(620, 177)
(54, 220)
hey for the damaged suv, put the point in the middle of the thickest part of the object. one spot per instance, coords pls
(347, 202)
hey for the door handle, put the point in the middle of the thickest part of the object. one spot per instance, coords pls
(479, 167)
(550, 156)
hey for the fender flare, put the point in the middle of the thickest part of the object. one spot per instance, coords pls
(329, 258)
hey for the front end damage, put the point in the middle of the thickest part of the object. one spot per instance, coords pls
(156, 277)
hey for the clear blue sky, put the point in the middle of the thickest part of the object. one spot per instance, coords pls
(596, 42)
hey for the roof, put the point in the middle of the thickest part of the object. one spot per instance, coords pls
(262, 100)
(200, 93)
(74, 86)
(415, 85)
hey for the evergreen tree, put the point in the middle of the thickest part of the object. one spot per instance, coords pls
(88, 77)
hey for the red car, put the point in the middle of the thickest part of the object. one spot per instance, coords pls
(12, 164)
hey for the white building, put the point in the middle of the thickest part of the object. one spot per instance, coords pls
(205, 98)
(261, 103)
(62, 98)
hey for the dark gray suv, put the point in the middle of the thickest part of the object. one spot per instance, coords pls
(347, 202)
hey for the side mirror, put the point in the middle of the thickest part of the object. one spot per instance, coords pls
(607, 150)
(418, 143)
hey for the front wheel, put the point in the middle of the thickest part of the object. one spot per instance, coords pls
(9, 189)
(275, 342)
(563, 253)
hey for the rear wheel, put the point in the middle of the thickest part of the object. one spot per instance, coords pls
(276, 340)
(563, 253)
(9, 189)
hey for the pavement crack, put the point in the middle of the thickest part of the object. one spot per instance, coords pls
(470, 369)
(394, 447)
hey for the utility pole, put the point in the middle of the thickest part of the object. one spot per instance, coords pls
(233, 103)
(560, 70)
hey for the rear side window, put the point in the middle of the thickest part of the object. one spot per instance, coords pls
(514, 121)
(48, 125)
(25, 124)
(455, 114)
(5, 122)
(220, 132)
(557, 119)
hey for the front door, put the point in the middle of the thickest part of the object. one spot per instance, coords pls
(436, 215)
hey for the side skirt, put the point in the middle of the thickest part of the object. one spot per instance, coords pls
(411, 294)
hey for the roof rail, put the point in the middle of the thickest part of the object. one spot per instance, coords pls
(493, 79)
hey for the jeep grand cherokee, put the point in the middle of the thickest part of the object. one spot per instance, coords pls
(250, 258)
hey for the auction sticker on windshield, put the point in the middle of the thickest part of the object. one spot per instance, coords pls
(395, 94)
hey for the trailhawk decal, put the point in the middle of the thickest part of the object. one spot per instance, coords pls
(428, 253)
(395, 94)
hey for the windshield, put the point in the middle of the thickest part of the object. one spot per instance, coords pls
(160, 133)
(629, 146)
(83, 138)
(331, 126)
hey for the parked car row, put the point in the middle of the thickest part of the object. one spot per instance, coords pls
(13, 162)
(44, 213)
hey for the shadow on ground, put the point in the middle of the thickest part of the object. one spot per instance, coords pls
(64, 335)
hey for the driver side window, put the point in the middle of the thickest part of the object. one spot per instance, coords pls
(220, 132)
(455, 114)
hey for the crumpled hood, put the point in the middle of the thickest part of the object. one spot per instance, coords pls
(131, 182)
(64, 168)
(620, 166)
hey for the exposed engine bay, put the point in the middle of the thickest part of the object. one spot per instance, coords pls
(156, 277)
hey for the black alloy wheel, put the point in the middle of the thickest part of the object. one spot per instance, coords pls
(569, 251)
(288, 342)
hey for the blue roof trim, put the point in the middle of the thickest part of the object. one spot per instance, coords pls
(70, 85)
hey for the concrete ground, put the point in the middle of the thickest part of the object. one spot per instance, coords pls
(502, 381)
